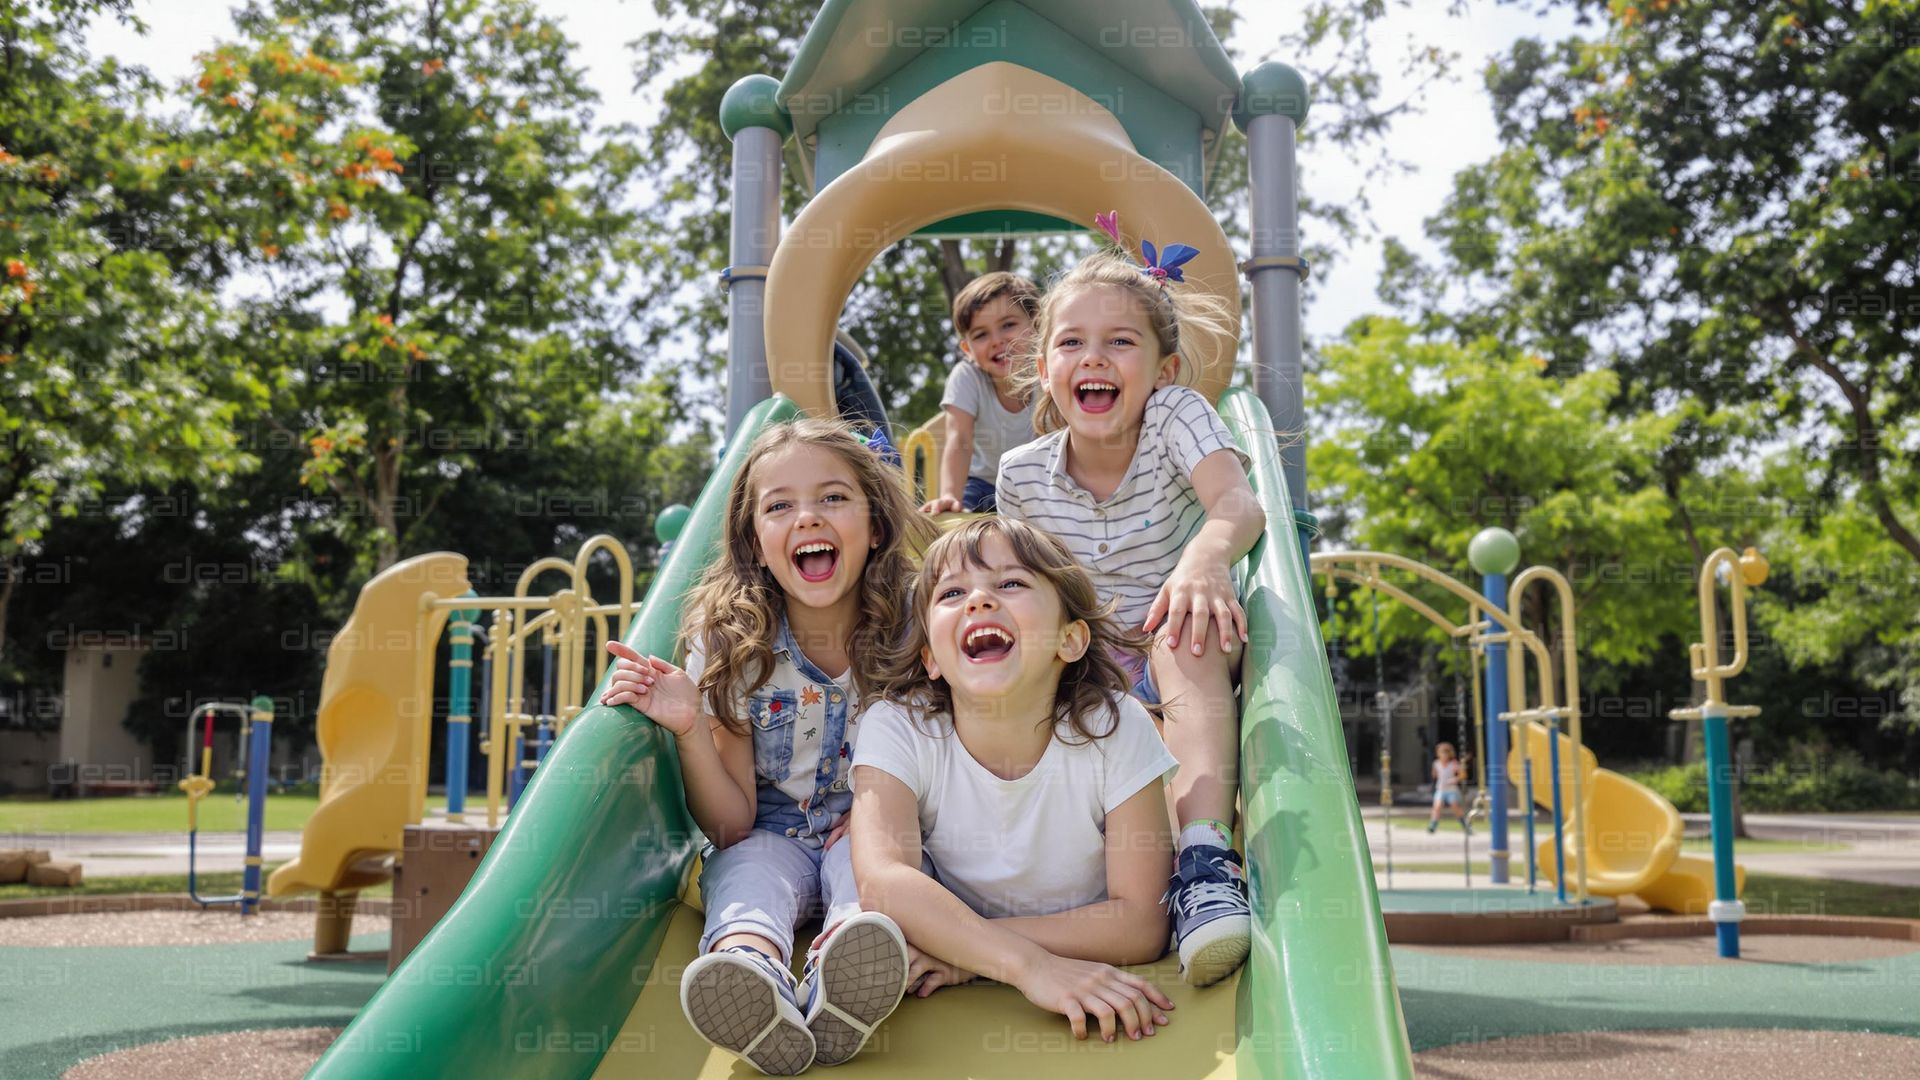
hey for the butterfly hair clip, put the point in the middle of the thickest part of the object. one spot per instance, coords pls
(1162, 266)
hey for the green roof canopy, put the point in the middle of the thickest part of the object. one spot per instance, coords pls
(1155, 64)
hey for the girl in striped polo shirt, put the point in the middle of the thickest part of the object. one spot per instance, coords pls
(1141, 479)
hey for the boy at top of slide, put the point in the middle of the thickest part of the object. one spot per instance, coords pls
(988, 412)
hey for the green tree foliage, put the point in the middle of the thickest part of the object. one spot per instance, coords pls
(1426, 442)
(443, 236)
(1718, 202)
(104, 344)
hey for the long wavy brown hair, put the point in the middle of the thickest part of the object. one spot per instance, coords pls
(737, 608)
(1087, 686)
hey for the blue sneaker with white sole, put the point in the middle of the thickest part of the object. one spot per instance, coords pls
(1212, 921)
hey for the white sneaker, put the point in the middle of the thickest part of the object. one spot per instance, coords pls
(742, 1001)
(852, 983)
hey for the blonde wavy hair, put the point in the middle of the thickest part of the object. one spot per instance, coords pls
(1087, 686)
(1170, 309)
(737, 608)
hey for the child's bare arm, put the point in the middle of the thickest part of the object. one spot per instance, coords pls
(1200, 589)
(1130, 926)
(715, 764)
(956, 455)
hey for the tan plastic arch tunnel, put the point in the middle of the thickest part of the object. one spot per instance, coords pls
(998, 137)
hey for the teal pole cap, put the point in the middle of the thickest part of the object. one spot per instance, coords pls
(667, 527)
(1494, 551)
(1272, 89)
(262, 703)
(754, 102)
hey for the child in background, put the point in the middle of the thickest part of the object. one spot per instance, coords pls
(1142, 481)
(988, 409)
(1446, 787)
(782, 633)
(1008, 762)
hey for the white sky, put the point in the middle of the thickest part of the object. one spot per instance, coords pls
(1453, 130)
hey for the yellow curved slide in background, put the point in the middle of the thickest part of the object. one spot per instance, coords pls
(375, 722)
(1631, 834)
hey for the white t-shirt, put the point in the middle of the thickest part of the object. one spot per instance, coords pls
(1446, 775)
(995, 430)
(1032, 846)
(1130, 541)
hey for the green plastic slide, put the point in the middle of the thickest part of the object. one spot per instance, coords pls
(538, 968)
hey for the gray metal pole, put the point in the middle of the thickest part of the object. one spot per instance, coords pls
(756, 233)
(1276, 292)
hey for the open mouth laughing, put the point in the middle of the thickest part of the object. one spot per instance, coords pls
(1096, 395)
(816, 560)
(987, 643)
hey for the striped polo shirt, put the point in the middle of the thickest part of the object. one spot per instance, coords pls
(1130, 541)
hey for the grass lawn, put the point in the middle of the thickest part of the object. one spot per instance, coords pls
(220, 883)
(149, 813)
(1766, 894)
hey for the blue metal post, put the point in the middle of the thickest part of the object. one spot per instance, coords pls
(543, 731)
(259, 748)
(1494, 588)
(1726, 911)
(459, 710)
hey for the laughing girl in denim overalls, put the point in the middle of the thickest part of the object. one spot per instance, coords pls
(782, 633)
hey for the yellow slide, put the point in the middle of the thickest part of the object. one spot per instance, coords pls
(374, 727)
(1631, 834)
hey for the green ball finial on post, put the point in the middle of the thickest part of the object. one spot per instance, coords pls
(1272, 89)
(754, 102)
(1494, 551)
(667, 527)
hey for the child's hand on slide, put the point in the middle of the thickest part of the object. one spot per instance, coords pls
(925, 974)
(655, 687)
(945, 504)
(1194, 596)
(1078, 989)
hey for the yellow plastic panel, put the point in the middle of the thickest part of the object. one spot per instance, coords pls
(998, 137)
(374, 727)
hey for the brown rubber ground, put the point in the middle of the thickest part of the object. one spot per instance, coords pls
(1724, 1054)
(278, 1054)
(1754, 948)
(217, 927)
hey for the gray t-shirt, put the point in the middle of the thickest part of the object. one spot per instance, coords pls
(995, 430)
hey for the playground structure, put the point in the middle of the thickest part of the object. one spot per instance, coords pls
(583, 906)
(1749, 569)
(1617, 836)
(377, 709)
(1034, 92)
(256, 742)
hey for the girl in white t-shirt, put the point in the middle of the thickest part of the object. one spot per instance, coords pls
(1446, 786)
(1007, 760)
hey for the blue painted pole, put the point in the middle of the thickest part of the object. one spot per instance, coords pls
(259, 749)
(459, 709)
(1494, 588)
(1559, 833)
(1533, 868)
(543, 732)
(1726, 911)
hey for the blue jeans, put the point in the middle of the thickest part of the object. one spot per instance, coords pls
(769, 882)
(978, 498)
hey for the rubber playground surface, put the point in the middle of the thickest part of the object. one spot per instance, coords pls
(1672, 1001)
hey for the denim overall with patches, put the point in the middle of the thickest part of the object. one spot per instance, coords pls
(780, 873)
